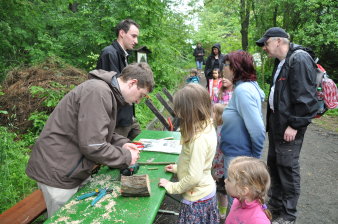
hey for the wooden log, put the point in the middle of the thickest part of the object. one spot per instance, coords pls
(155, 163)
(135, 186)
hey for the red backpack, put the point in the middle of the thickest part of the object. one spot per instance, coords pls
(327, 93)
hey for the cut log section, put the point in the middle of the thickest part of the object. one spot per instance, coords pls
(135, 186)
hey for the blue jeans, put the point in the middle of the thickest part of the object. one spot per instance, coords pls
(199, 64)
(227, 160)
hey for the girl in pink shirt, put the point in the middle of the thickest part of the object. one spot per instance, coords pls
(225, 92)
(248, 182)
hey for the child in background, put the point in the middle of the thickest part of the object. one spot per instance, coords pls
(217, 169)
(193, 78)
(248, 182)
(214, 85)
(198, 137)
(225, 92)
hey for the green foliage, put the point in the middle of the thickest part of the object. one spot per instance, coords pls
(39, 119)
(14, 183)
(51, 95)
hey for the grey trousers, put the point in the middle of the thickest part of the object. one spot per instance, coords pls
(55, 198)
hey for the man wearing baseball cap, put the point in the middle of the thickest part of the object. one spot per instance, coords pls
(292, 103)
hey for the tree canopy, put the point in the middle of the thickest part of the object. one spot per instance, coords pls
(76, 31)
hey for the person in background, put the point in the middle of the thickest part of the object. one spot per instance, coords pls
(80, 133)
(243, 131)
(193, 78)
(214, 61)
(199, 205)
(217, 169)
(214, 85)
(199, 57)
(114, 58)
(248, 182)
(225, 92)
(292, 105)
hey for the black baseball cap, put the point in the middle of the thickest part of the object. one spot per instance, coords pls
(272, 32)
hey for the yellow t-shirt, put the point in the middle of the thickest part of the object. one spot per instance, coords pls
(194, 167)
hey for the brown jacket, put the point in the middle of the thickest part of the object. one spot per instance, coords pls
(80, 133)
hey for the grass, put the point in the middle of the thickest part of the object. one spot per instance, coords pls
(329, 120)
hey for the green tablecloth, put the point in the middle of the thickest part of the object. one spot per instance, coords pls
(113, 208)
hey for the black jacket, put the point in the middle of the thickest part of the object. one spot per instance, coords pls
(113, 58)
(295, 101)
(210, 63)
(199, 50)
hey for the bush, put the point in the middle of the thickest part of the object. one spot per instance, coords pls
(14, 183)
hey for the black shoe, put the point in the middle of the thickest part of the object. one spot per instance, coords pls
(281, 220)
(275, 213)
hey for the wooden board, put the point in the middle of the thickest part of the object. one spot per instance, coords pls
(26, 210)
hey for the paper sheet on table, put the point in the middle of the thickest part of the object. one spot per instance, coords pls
(161, 145)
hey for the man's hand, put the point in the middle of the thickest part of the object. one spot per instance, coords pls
(169, 168)
(290, 134)
(163, 182)
(135, 153)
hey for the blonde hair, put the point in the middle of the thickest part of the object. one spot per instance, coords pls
(218, 109)
(250, 173)
(192, 106)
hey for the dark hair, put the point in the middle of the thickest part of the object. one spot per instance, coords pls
(241, 63)
(125, 25)
(140, 71)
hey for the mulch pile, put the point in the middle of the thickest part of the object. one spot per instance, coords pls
(19, 102)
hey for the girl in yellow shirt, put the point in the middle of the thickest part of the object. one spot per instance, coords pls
(199, 205)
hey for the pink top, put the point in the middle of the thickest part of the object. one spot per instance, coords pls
(247, 213)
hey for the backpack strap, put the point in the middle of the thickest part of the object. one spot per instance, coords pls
(319, 72)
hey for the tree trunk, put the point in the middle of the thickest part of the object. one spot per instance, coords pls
(245, 21)
(73, 6)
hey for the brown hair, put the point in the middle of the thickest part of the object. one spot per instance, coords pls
(251, 173)
(192, 106)
(194, 71)
(140, 71)
(125, 26)
(218, 109)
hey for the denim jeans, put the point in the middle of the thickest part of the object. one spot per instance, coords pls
(199, 64)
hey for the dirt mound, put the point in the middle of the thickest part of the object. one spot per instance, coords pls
(18, 100)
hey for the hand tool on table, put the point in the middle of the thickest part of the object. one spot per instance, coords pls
(100, 193)
(131, 170)
(139, 145)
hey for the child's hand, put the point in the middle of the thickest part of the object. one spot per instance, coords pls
(163, 182)
(169, 168)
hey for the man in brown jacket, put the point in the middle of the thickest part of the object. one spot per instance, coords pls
(79, 134)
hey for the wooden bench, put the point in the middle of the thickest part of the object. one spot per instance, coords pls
(26, 210)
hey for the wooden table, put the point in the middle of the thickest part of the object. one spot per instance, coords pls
(113, 208)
